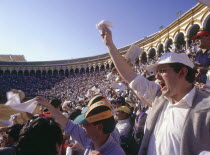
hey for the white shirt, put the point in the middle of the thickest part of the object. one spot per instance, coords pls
(123, 126)
(166, 136)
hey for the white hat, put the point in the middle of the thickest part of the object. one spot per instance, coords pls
(171, 57)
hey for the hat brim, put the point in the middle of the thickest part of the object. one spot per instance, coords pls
(194, 37)
(198, 35)
(81, 119)
(84, 110)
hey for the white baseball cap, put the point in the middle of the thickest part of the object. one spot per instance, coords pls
(171, 57)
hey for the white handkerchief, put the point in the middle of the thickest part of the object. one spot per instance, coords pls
(122, 86)
(205, 2)
(114, 85)
(27, 106)
(109, 76)
(68, 151)
(101, 24)
(133, 53)
(13, 100)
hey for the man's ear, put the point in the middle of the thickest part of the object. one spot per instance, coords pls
(183, 72)
(100, 126)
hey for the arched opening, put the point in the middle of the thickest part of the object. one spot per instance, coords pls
(97, 69)
(82, 71)
(26, 73)
(87, 70)
(168, 44)
(180, 42)
(112, 65)
(32, 73)
(20, 73)
(160, 50)
(7, 72)
(61, 72)
(38, 73)
(14, 73)
(143, 57)
(91, 69)
(71, 72)
(67, 72)
(1, 72)
(44, 73)
(55, 72)
(49, 73)
(193, 31)
(152, 53)
(102, 68)
(107, 66)
(76, 71)
(207, 23)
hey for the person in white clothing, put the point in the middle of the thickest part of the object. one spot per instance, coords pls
(180, 116)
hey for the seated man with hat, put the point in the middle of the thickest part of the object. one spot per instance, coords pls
(95, 125)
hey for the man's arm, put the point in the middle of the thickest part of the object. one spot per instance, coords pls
(59, 117)
(125, 70)
(70, 128)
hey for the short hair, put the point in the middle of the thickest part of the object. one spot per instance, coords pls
(39, 136)
(120, 100)
(74, 114)
(108, 124)
(56, 102)
(190, 77)
(14, 131)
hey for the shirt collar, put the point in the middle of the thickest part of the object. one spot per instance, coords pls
(106, 144)
(102, 147)
(188, 98)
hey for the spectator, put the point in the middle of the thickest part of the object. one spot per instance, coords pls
(202, 57)
(98, 123)
(179, 111)
(122, 116)
(118, 102)
(9, 142)
(55, 103)
(40, 136)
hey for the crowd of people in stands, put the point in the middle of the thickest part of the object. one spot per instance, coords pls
(131, 109)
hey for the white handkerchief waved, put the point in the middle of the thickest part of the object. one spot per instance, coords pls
(14, 102)
(101, 24)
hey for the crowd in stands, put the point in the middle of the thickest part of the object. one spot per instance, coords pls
(93, 115)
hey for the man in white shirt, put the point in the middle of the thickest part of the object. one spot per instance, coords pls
(180, 116)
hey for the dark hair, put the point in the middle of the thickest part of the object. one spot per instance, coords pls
(14, 131)
(74, 114)
(190, 77)
(120, 100)
(39, 137)
(108, 124)
(56, 103)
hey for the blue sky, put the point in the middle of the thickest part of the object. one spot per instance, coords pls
(44, 30)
